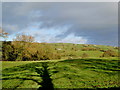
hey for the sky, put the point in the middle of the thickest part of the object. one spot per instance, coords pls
(63, 22)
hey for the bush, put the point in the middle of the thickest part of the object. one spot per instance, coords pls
(85, 55)
(110, 53)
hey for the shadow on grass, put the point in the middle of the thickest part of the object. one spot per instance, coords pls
(42, 72)
(110, 65)
(46, 80)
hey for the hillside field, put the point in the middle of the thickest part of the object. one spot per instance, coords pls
(25, 51)
(59, 65)
(74, 73)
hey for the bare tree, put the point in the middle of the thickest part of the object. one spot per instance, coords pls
(25, 38)
(3, 33)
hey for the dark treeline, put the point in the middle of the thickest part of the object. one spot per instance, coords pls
(25, 51)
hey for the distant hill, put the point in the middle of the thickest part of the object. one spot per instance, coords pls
(77, 50)
(69, 50)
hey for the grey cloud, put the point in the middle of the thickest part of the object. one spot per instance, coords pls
(97, 21)
(0, 14)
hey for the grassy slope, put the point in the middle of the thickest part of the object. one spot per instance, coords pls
(66, 49)
(77, 73)
(84, 73)
(74, 50)
(0, 49)
(9, 64)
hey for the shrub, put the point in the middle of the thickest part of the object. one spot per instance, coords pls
(110, 53)
(85, 55)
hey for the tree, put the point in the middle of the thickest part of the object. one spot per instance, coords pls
(8, 52)
(3, 33)
(22, 47)
(24, 38)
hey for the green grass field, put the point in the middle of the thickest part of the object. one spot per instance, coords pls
(76, 73)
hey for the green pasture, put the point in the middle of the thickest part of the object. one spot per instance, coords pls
(74, 73)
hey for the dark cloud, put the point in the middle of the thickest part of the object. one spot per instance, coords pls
(96, 21)
(0, 14)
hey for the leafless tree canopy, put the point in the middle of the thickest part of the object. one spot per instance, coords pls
(3, 33)
(25, 38)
